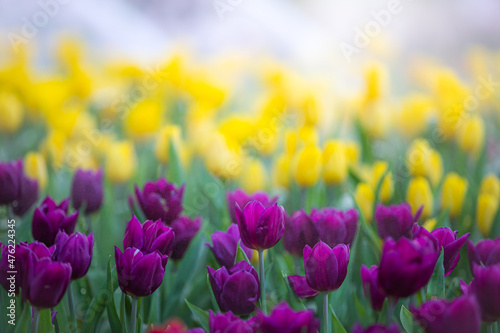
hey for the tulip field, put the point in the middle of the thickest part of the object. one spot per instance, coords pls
(245, 196)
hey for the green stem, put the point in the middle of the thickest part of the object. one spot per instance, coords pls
(72, 307)
(296, 261)
(87, 222)
(489, 328)
(303, 198)
(326, 322)
(133, 315)
(391, 304)
(262, 278)
(36, 319)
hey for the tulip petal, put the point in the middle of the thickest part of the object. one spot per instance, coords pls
(300, 286)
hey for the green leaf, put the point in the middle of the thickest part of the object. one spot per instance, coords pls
(114, 320)
(23, 322)
(240, 254)
(378, 189)
(436, 284)
(200, 315)
(175, 172)
(336, 324)
(408, 322)
(45, 323)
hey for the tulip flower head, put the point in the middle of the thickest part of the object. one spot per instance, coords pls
(371, 287)
(241, 198)
(284, 319)
(451, 245)
(485, 286)
(149, 237)
(10, 177)
(185, 229)
(86, 190)
(225, 246)
(49, 218)
(486, 252)
(75, 249)
(228, 323)
(395, 221)
(300, 231)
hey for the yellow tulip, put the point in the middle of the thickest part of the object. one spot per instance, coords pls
(353, 152)
(436, 169)
(490, 185)
(253, 176)
(453, 193)
(120, 161)
(308, 165)
(310, 110)
(221, 158)
(365, 199)
(144, 119)
(11, 112)
(418, 158)
(419, 194)
(334, 162)
(265, 135)
(471, 135)
(205, 91)
(54, 148)
(291, 142)
(281, 171)
(430, 224)
(374, 80)
(487, 207)
(170, 134)
(414, 115)
(36, 168)
(387, 187)
(308, 135)
(376, 119)
(238, 129)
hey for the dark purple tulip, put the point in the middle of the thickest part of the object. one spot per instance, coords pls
(10, 177)
(47, 282)
(407, 265)
(160, 200)
(377, 328)
(260, 227)
(300, 286)
(87, 190)
(237, 289)
(185, 229)
(299, 232)
(225, 246)
(229, 323)
(464, 287)
(441, 316)
(75, 249)
(149, 237)
(241, 198)
(27, 196)
(486, 252)
(395, 221)
(486, 287)
(371, 287)
(284, 320)
(447, 239)
(49, 218)
(335, 226)
(139, 274)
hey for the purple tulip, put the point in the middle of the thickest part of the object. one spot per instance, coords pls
(442, 316)
(241, 198)
(300, 231)
(447, 239)
(139, 274)
(407, 265)
(86, 190)
(486, 252)
(486, 287)
(185, 229)
(75, 249)
(284, 320)
(160, 200)
(47, 282)
(27, 196)
(377, 328)
(395, 221)
(371, 287)
(10, 177)
(335, 226)
(149, 237)
(237, 289)
(225, 246)
(229, 323)
(260, 227)
(49, 218)
(326, 269)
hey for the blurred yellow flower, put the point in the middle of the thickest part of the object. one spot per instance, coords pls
(470, 135)
(387, 188)
(487, 207)
(429, 224)
(291, 142)
(334, 162)
(54, 148)
(168, 135)
(308, 135)
(253, 176)
(353, 152)
(436, 169)
(308, 165)
(310, 110)
(237, 129)
(453, 193)
(35, 167)
(120, 161)
(419, 194)
(365, 199)
(281, 171)
(221, 158)
(144, 119)
(418, 158)
(490, 185)
(375, 76)
(416, 110)
(11, 112)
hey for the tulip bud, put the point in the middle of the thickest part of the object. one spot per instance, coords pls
(470, 135)
(376, 328)
(365, 198)
(86, 190)
(49, 218)
(139, 274)
(418, 158)
(415, 113)
(27, 196)
(160, 200)
(75, 249)
(148, 237)
(11, 112)
(490, 185)
(260, 227)
(453, 193)
(387, 186)
(371, 287)
(436, 170)
(185, 229)
(281, 171)
(335, 163)
(168, 135)
(253, 176)
(308, 165)
(486, 210)
(486, 252)
(236, 289)
(225, 246)
(485, 287)
(419, 194)
(228, 322)
(143, 119)
(395, 221)
(335, 226)
(460, 315)
(299, 232)
(447, 239)
(285, 319)
(120, 161)
(10, 176)
(36, 168)
(242, 198)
